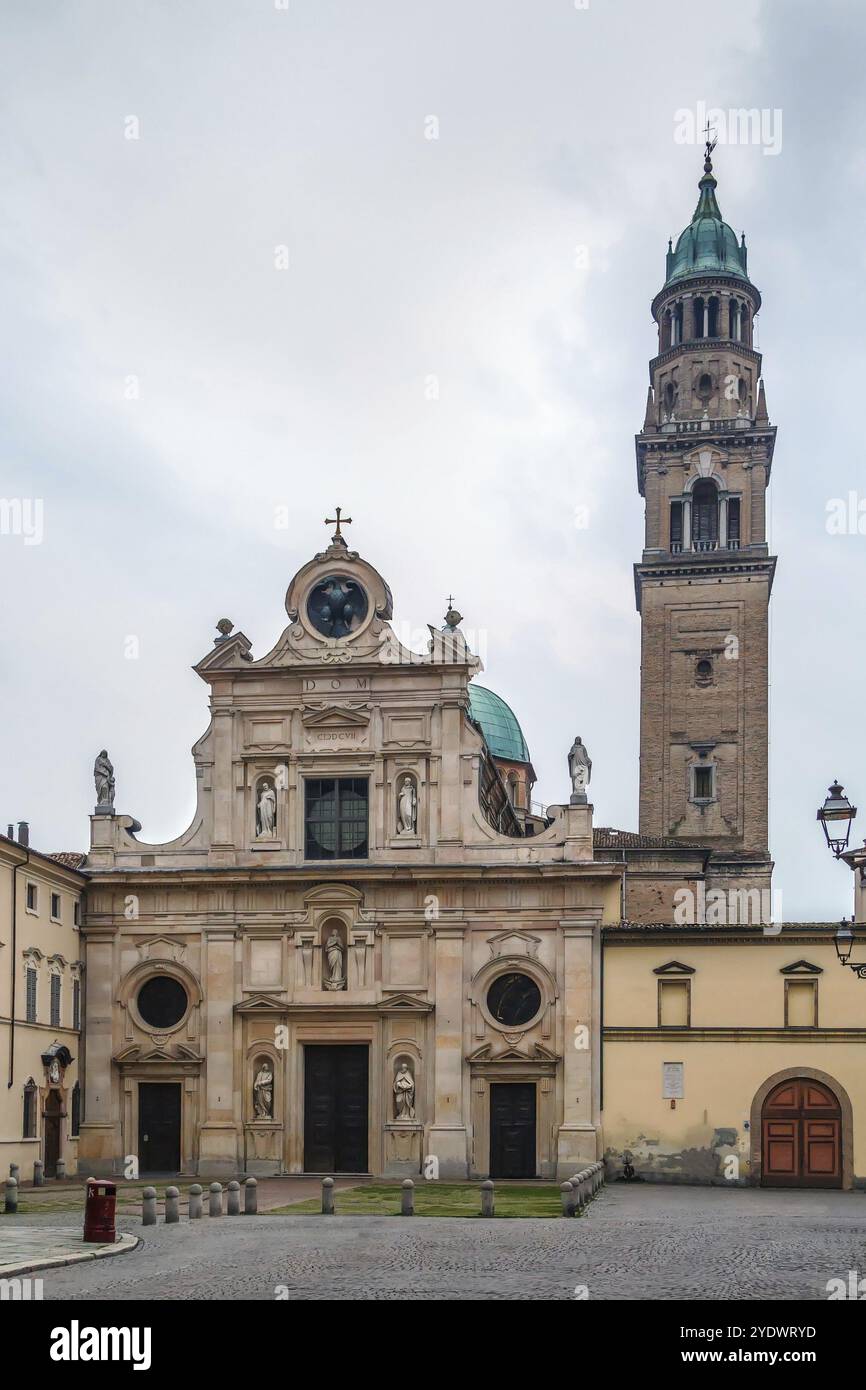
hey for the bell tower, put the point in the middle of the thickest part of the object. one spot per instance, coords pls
(703, 582)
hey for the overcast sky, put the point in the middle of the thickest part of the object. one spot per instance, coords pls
(440, 357)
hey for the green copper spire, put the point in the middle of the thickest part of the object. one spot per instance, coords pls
(708, 245)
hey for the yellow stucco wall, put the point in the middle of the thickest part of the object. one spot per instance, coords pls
(58, 945)
(736, 987)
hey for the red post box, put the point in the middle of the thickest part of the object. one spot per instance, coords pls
(99, 1204)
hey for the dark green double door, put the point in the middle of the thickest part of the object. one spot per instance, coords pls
(512, 1130)
(336, 1111)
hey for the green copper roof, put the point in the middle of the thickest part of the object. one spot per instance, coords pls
(708, 245)
(499, 725)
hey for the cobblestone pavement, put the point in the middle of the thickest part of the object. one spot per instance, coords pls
(40, 1245)
(641, 1242)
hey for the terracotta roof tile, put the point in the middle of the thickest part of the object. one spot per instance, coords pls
(603, 837)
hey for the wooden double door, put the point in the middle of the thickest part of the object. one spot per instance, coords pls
(801, 1136)
(336, 1109)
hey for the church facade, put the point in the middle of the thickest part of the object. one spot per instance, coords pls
(369, 952)
(359, 956)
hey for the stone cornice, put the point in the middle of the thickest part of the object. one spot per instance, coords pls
(744, 1034)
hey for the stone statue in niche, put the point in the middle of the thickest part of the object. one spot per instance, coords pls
(404, 1092)
(335, 953)
(263, 1092)
(266, 811)
(407, 808)
(103, 776)
(579, 770)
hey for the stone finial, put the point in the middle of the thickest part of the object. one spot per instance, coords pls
(224, 628)
(452, 617)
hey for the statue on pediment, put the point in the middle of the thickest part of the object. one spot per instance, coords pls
(579, 769)
(103, 776)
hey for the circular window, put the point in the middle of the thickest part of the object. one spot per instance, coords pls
(162, 1001)
(705, 387)
(337, 606)
(704, 672)
(513, 999)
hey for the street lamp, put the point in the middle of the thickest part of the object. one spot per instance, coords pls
(844, 941)
(836, 816)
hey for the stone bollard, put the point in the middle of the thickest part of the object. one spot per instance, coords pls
(215, 1201)
(251, 1197)
(172, 1209)
(60, 1170)
(195, 1202)
(11, 1205)
(148, 1207)
(15, 1172)
(487, 1198)
(38, 1172)
(233, 1203)
(567, 1198)
(327, 1196)
(407, 1200)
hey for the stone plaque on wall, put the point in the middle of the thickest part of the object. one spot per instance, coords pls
(266, 964)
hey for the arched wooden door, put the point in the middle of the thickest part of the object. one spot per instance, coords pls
(801, 1136)
(52, 1121)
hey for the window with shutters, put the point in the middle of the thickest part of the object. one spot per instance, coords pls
(29, 1125)
(55, 1001)
(76, 1110)
(76, 1004)
(31, 994)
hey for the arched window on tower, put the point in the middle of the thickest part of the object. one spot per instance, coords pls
(700, 331)
(745, 327)
(713, 317)
(705, 515)
(735, 312)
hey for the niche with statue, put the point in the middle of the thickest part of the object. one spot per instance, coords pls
(334, 954)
